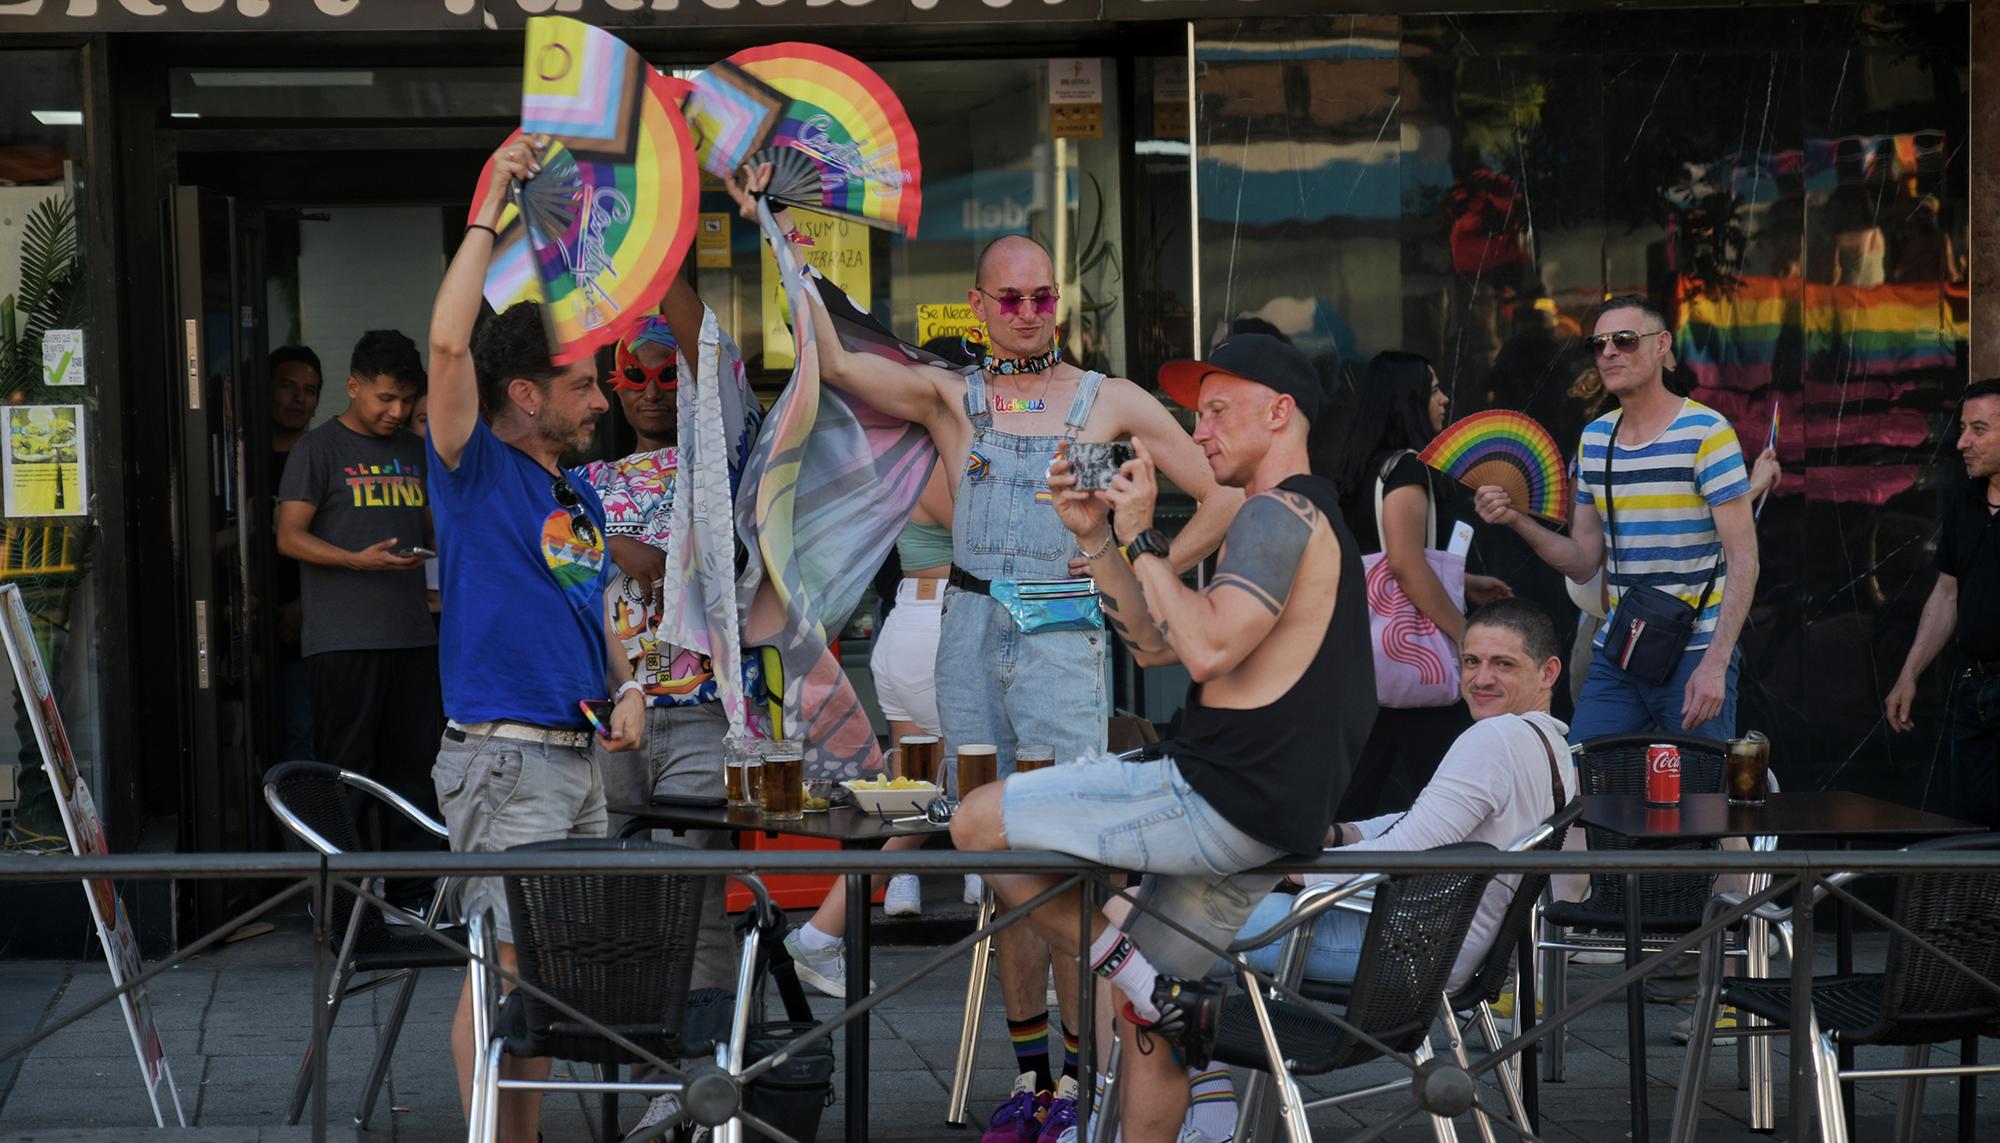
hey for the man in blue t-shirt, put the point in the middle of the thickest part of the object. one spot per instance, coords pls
(525, 636)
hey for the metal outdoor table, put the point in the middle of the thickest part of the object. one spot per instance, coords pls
(853, 829)
(1840, 814)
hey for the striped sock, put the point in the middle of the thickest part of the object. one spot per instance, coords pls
(1031, 1048)
(1211, 1103)
(1069, 1053)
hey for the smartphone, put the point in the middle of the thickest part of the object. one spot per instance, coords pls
(415, 552)
(598, 711)
(1096, 462)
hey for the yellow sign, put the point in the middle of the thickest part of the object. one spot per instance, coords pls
(952, 320)
(838, 250)
(711, 241)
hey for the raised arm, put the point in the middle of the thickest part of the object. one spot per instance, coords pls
(683, 310)
(1577, 555)
(1181, 459)
(454, 388)
(913, 393)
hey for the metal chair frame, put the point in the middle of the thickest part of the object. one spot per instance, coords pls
(342, 985)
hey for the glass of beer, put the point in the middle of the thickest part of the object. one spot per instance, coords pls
(916, 757)
(742, 771)
(978, 764)
(1035, 757)
(782, 795)
(1747, 776)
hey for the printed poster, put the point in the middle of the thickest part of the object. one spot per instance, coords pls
(949, 319)
(838, 249)
(42, 469)
(62, 357)
(85, 830)
(711, 241)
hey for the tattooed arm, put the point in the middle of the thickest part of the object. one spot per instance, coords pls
(1124, 603)
(1212, 631)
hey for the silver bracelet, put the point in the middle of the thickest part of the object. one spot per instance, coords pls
(1110, 537)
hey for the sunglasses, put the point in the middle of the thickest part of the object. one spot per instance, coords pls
(581, 529)
(635, 378)
(1010, 301)
(1624, 341)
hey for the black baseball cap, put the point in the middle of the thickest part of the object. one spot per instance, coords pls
(1269, 361)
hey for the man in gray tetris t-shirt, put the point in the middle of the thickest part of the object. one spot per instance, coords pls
(351, 509)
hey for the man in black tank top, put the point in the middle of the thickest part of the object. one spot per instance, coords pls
(1282, 700)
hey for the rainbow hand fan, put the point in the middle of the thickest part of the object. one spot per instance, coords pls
(836, 135)
(1508, 449)
(598, 236)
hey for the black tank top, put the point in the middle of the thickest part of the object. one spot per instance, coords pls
(1276, 772)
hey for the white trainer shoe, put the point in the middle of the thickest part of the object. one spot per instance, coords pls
(902, 898)
(825, 970)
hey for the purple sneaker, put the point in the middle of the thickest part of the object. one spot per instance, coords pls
(1019, 1119)
(1062, 1112)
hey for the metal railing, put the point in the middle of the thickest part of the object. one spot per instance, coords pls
(1798, 874)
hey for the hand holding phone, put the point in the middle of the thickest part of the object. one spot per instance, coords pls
(1096, 462)
(598, 712)
(415, 552)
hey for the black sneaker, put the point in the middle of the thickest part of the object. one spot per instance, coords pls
(1190, 1013)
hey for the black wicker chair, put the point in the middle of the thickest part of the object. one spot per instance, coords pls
(312, 800)
(1918, 999)
(1416, 926)
(1670, 904)
(618, 948)
(1473, 999)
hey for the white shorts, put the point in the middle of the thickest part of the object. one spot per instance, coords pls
(904, 661)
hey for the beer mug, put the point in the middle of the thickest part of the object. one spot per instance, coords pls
(978, 764)
(916, 757)
(782, 792)
(742, 769)
(1034, 757)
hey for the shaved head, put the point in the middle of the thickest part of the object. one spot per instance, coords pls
(1008, 250)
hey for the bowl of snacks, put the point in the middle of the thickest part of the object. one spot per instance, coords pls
(818, 795)
(897, 797)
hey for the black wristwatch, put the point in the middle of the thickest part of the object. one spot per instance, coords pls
(1151, 542)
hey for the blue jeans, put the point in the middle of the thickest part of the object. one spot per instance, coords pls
(1614, 702)
(1336, 939)
(998, 684)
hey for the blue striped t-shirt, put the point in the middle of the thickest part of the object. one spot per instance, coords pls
(1661, 530)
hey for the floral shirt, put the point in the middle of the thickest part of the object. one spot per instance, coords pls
(638, 496)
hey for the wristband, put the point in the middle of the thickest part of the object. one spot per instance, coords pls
(629, 685)
(1110, 537)
(470, 227)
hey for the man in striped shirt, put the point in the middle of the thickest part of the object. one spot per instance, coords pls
(1680, 522)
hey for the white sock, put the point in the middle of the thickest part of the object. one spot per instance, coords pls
(1114, 957)
(814, 941)
(1212, 1103)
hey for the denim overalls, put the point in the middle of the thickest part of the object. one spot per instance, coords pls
(994, 683)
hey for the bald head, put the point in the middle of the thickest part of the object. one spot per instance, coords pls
(1014, 255)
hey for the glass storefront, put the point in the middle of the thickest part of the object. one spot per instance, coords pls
(1789, 183)
(49, 490)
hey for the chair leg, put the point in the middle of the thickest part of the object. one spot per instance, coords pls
(1456, 1039)
(1440, 1126)
(1968, 1089)
(1555, 984)
(1763, 1093)
(1507, 1070)
(1701, 1042)
(302, 1086)
(1826, 1076)
(968, 1027)
(1104, 1116)
(1294, 1104)
(486, 1128)
(385, 1047)
(1910, 1105)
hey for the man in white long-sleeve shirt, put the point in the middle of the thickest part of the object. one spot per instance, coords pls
(1496, 784)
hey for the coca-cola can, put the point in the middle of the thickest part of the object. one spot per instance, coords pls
(1663, 776)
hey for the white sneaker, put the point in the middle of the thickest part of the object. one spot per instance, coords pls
(902, 898)
(974, 888)
(825, 970)
(1597, 956)
(665, 1107)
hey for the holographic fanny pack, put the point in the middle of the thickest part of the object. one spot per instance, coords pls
(1050, 604)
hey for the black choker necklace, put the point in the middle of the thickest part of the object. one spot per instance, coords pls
(1008, 366)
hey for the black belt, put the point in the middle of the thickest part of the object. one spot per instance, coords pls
(965, 581)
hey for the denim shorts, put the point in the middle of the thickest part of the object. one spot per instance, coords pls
(497, 793)
(1142, 816)
(998, 684)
